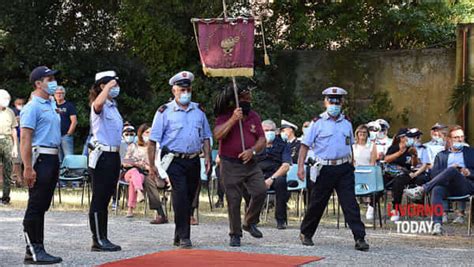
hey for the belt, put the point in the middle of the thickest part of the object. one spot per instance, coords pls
(46, 150)
(108, 148)
(185, 155)
(333, 162)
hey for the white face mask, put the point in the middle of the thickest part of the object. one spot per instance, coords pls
(146, 139)
(19, 107)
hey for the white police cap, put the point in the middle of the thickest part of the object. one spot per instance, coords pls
(287, 124)
(182, 78)
(334, 91)
(383, 123)
(374, 126)
(103, 74)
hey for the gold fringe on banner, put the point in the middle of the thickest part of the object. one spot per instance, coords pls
(221, 72)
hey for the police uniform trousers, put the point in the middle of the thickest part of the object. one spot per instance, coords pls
(185, 176)
(40, 196)
(341, 178)
(6, 146)
(235, 176)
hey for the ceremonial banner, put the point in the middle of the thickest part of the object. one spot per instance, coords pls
(226, 46)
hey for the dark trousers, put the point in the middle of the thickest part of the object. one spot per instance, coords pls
(236, 176)
(341, 178)
(153, 193)
(449, 182)
(399, 184)
(220, 183)
(104, 180)
(41, 194)
(281, 196)
(185, 178)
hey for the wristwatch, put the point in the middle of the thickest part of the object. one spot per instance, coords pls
(254, 152)
(273, 178)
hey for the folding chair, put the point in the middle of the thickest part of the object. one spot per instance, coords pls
(293, 176)
(122, 189)
(74, 169)
(469, 212)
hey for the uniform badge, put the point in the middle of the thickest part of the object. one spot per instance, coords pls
(253, 128)
(348, 140)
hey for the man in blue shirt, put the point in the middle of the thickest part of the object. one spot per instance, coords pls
(331, 138)
(182, 130)
(40, 140)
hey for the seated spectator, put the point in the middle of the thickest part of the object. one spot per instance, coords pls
(287, 133)
(374, 129)
(383, 142)
(453, 175)
(275, 162)
(418, 173)
(365, 153)
(437, 142)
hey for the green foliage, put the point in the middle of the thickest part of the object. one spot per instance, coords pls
(460, 96)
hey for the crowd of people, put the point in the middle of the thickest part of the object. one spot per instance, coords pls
(254, 156)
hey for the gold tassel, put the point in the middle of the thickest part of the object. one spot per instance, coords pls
(266, 59)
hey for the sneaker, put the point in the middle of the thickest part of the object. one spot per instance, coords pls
(437, 229)
(140, 196)
(395, 216)
(369, 215)
(414, 193)
(459, 219)
(445, 218)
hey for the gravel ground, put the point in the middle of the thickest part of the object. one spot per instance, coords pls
(67, 235)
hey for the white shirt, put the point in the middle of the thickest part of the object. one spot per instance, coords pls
(362, 154)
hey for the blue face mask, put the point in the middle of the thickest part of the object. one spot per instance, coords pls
(270, 136)
(129, 139)
(410, 142)
(458, 145)
(284, 136)
(372, 135)
(438, 140)
(185, 98)
(114, 92)
(334, 110)
(52, 86)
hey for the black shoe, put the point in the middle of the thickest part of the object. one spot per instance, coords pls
(219, 204)
(5, 200)
(253, 230)
(98, 224)
(281, 224)
(185, 243)
(176, 241)
(306, 241)
(361, 245)
(234, 241)
(41, 257)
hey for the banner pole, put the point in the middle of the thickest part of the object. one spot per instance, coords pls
(237, 106)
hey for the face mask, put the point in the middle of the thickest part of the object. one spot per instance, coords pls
(129, 139)
(19, 107)
(284, 136)
(114, 92)
(246, 107)
(4, 103)
(372, 135)
(438, 140)
(410, 142)
(185, 98)
(334, 110)
(52, 86)
(381, 135)
(458, 145)
(145, 139)
(270, 136)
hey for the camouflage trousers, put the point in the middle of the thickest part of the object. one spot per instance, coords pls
(6, 146)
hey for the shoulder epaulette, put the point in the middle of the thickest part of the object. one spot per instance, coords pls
(347, 118)
(315, 119)
(201, 108)
(162, 108)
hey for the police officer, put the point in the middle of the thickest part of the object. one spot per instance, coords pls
(332, 137)
(8, 142)
(182, 130)
(40, 140)
(275, 162)
(104, 159)
(288, 134)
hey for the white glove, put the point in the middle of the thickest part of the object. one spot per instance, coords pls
(15, 152)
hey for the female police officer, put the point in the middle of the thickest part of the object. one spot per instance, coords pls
(104, 159)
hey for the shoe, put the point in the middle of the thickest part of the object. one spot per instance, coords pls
(176, 241)
(194, 221)
(98, 224)
(459, 219)
(129, 214)
(306, 241)
(114, 206)
(234, 241)
(159, 220)
(253, 230)
(369, 215)
(414, 193)
(361, 245)
(437, 229)
(281, 224)
(219, 204)
(445, 218)
(395, 216)
(185, 243)
(37, 255)
(140, 196)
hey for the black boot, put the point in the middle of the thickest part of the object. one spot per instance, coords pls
(35, 252)
(98, 225)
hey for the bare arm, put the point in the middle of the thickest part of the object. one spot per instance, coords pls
(25, 147)
(373, 155)
(14, 137)
(72, 127)
(103, 96)
(301, 159)
(284, 168)
(151, 154)
(221, 131)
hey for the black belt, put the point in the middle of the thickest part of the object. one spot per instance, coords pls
(185, 155)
